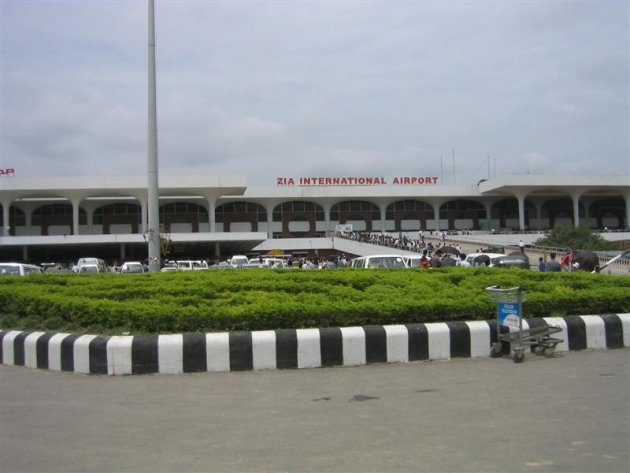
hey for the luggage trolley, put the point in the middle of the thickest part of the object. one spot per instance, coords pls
(510, 314)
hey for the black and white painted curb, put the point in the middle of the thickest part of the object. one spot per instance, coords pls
(287, 349)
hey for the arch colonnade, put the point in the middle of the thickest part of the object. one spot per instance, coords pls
(293, 216)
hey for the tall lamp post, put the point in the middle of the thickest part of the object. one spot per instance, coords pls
(153, 203)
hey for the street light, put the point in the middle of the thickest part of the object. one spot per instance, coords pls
(153, 224)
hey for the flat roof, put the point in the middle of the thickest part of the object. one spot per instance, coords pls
(235, 187)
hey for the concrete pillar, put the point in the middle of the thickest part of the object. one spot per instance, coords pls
(436, 204)
(76, 203)
(575, 197)
(488, 207)
(520, 198)
(212, 214)
(89, 208)
(6, 206)
(269, 208)
(28, 219)
(327, 228)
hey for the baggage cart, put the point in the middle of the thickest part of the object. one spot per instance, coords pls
(510, 314)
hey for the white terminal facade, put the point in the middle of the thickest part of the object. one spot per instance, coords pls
(214, 216)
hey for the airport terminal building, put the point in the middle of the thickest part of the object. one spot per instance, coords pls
(214, 216)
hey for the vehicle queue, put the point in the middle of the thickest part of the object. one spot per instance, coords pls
(444, 256)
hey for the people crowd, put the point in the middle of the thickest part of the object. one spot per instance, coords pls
(432, 254)
(402, 242)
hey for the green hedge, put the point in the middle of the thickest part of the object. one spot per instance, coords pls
(207, 301)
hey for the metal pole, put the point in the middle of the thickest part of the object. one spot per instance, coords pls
(153, 204)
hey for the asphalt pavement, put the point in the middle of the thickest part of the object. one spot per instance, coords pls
(568, 413)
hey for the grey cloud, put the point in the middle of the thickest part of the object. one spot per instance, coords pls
(268, 88)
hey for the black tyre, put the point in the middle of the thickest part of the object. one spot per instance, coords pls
(518, 356)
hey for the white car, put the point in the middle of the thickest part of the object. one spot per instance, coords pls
(237, 261)
(89, 269)
(168, 269)
(18, 269)
(132, 267)
(379, 261)
(482, 259)
(268, 262)
(99, 263)
(414, 261)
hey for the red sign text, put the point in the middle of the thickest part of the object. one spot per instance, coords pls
(356, 181)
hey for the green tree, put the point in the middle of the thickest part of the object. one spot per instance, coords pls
(580, 238)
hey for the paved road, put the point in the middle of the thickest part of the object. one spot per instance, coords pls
(570, 413)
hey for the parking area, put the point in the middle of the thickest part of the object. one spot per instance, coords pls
(565, 413)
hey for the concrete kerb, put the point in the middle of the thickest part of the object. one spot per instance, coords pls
(290, 349)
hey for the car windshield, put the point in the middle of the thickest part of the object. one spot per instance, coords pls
(386, 262)
(9, 270)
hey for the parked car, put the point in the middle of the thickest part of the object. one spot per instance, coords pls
(89, 269)
(237, 261)
(54, 268)
(132, 267)
(191, 265)
(99, 263)
(57, 270)
(482, 259)
(515, 260)
(18, 269)
(378, 261)
(268, 262)
(253, 265)
(222, 265)
(413, 261)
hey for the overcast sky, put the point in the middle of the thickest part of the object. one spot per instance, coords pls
(319, 88)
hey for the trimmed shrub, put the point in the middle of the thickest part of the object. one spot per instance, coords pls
(207, 301)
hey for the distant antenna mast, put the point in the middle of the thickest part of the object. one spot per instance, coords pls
(442, 168)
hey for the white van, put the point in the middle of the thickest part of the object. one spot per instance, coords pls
(91, 262)
(268, 262)
(237, 261)
(379, 261)
(191, 265)
(18, 269)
